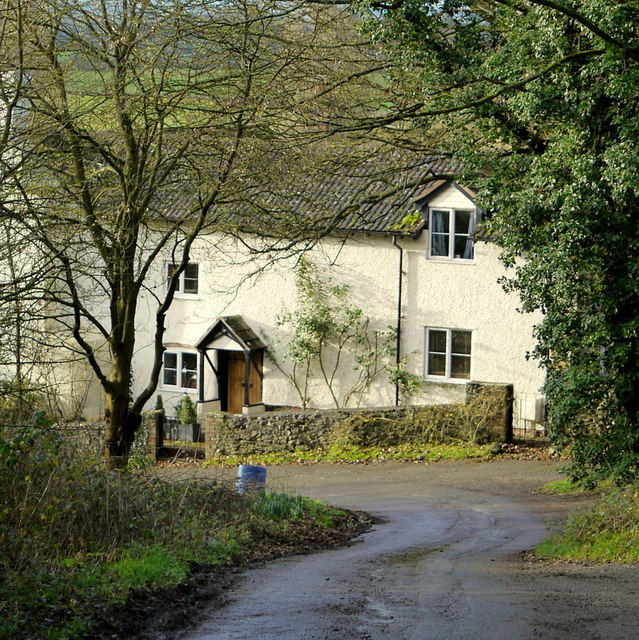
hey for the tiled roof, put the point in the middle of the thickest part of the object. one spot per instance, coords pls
(373, 196)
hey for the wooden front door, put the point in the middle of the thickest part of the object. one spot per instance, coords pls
(235, 397)
(236, 377)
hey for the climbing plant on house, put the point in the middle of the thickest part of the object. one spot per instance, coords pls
(331, 341)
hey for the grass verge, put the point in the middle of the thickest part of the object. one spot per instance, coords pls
(80, 541)
(562, 487)
(607, 532)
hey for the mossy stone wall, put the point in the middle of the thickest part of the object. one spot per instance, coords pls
(486, 416)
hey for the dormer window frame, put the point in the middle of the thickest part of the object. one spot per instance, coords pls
(448, 239)
(450, 234)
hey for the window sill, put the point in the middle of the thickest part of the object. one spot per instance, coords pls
(187, 296)
(177, 390)
(453, 260)
(446, 381)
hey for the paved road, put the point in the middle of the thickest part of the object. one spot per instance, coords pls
(445, 564)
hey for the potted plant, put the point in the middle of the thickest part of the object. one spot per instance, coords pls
(186, 413)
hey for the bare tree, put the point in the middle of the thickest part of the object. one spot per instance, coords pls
(17, 352)
(150, 122)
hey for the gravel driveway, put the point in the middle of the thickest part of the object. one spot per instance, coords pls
(446, 564)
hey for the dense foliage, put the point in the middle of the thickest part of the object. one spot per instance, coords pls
(538, 98)
(78, 539)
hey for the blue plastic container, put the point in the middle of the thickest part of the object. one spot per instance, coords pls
(250, 478)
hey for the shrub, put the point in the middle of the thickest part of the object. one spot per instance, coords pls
(77, 536)
(18, 402)
(185, 410)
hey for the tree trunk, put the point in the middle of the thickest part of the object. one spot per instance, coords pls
(121, 427)
(121, 423)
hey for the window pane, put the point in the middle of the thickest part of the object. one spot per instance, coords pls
(460, 367)
(436, 364)
(441, 221)
(464, 247)
(439, 246)
(189, 371)
(191, 278)
(189, 361)
(462, 222)
(464, 227)
(189, 379)
(437, 341)
(439, 233)
(170, 369)
(461, 342)
(191, 271)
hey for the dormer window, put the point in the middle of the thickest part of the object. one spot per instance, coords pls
(450, 234)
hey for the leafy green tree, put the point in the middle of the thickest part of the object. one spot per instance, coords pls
(538, 99)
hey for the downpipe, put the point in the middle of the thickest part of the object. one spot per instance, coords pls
(398, 325)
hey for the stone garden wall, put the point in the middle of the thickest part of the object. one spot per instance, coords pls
(486, 416)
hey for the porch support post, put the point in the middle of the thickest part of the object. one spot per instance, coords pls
(247, 377)
(200, 384)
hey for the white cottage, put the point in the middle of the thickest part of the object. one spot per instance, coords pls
(410, 261)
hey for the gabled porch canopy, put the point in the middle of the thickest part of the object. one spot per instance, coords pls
(230, 336)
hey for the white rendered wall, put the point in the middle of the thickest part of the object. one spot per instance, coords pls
(367, 265)
(450, 198)
(465, 294)
(437, 293)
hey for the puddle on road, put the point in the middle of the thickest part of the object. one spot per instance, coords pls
(413, 556)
